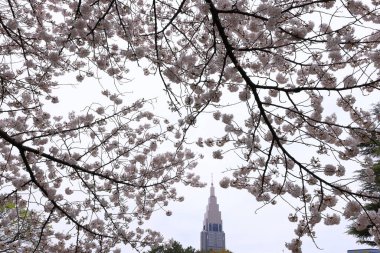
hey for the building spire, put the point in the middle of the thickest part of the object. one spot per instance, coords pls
(212, 235)
(212, 189)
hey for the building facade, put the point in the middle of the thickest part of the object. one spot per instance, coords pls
(212, 235)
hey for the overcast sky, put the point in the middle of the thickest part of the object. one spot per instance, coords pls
(248, 227)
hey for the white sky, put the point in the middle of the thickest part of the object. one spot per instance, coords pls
(247, 229)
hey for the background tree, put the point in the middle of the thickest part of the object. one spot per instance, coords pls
(220, 251)
(294, 70)
(20, 226)
(176, 247)
(172, 247)
(370, 178)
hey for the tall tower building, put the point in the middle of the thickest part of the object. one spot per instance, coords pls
(212, 235)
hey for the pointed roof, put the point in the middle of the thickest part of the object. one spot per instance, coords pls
(212, 215)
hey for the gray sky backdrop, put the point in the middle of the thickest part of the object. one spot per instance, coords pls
(248, 227)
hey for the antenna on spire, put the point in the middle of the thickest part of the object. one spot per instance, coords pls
(212, 190)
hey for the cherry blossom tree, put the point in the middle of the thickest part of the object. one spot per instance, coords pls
(294, 70)
(87, 180)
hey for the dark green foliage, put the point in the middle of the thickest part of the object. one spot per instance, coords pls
(174, 247)
(371, 148)
(363, 236)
